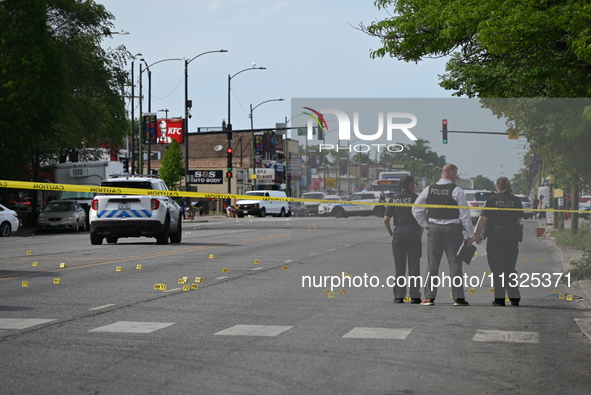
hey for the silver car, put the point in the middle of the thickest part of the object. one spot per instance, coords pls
(62, 214)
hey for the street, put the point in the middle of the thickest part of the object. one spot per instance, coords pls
(82, 319)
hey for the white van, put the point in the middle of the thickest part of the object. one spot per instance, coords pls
(263, 207)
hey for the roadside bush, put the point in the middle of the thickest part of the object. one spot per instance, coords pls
(582, 268)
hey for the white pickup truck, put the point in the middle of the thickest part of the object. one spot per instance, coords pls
(115, 216)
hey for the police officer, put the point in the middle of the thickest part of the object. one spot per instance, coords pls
(406, 241)
(502, 230)
(445, 226)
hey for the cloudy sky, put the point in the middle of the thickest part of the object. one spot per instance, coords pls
(310, 49)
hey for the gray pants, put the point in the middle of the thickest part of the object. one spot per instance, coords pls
(448, 239)
(502, 249)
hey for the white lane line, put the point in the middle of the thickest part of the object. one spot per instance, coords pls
(378, 333)
(483, 335)
(257, 268)
(132, 327)
(221, 278)
(102, 307)
(22, 323)
(253, 330)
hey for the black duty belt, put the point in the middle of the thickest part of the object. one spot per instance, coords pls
(505, 226)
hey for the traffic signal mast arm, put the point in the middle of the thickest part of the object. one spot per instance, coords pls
(512, 134)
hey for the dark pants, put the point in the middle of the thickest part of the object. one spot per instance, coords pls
(448, 239)
(407, 249)
(502, 249)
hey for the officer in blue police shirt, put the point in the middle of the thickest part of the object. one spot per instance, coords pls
(503, 240)
(445, 226)
(406, 240)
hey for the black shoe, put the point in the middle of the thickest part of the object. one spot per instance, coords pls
(461, 302)
(398, 300)
(416, 301)
(514, 301)
(498, 302)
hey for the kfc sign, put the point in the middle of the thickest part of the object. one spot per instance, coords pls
(170, 129)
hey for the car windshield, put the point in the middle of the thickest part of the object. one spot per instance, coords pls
(59, 207)
(313, 195)
(478, 196)
(128, 184)
(256, 193)
(524, 199)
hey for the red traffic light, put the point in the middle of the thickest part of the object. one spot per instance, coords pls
(229, 151)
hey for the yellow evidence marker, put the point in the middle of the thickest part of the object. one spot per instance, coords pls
(284, 268)
(57, 281)
(211, 256)
(63, 264)
(29, 252)
(139, 267)
(472, 291)
(35, 263)
(556, 291)
(487, 273)
(186, 288)
(326, 291)
(256, 262)
(182, 281)
(569, 297)
(406, 299)
(25, 284)
(491, 290)
(118, 269)
(197, 279)
(224, 270)
(331, 294)
(194, 286)
(342, 292)
(157, 286)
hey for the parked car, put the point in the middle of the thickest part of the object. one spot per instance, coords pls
(585, 206)
(9, 221)
(344, 209)
(312, 207)
(62, 214)
(297, 209)
(325, 207)
(527, 206)
(262, 207)
(477, 198)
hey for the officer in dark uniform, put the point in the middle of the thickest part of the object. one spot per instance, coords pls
(502, 230)
(406, 241)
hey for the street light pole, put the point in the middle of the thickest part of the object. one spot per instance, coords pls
(254, 180)
(189, 105)
(229, 124)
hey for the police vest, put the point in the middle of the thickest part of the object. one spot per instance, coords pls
(503, 217)
(442, 195)
(403, 215)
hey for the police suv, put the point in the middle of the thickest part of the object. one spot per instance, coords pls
(115, 216)
(344, 209)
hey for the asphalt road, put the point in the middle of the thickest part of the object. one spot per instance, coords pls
(253, 327)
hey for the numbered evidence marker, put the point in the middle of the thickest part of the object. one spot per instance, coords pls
(487, 273)
(472, 291)
(118, 269)
(342, 292)
(29, 252)
(326, 291)
(284, 268)
(331, 295)
(256, 262)
(139, 267)
(186, 288)
(63, 264)
(25, 284)
(556, 291)
(194, 286)
(569, 297)
(406, 298)
(35, 263)
(491, 290)
(224, 270)
(211, 256)
(197, 279)
(57, 281)
(161, 287)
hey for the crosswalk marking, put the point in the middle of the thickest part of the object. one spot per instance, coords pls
(22, 323)
(253, 330)
(378, 333)
(132, 327)
(483, 335)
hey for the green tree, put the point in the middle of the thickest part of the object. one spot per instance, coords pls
(173, 167)
(481, 182)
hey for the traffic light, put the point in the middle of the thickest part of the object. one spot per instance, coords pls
(229, 153)
(125, 166)
(444, 130)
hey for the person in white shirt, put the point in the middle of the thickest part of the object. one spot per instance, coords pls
(444, 226)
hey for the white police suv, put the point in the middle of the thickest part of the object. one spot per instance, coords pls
(113, 216)
(344, 209)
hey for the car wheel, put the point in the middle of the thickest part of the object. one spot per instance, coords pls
(240, 215)
(263, 212)
(112, 239)
(95, 239)
(177, 236)
(338, 212)
(5, 229)
(282, 213)
(162, 238)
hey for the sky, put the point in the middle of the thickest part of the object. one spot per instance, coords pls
(310, 49)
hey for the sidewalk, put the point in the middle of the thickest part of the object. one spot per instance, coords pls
(568, 254)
